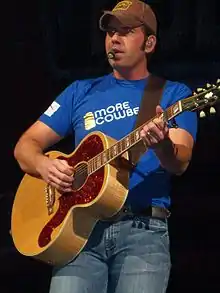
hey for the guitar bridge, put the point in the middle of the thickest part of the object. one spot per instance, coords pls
(50, 198)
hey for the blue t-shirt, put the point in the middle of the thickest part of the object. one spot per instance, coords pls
(110, 105)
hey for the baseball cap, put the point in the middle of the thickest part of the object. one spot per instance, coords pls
(131, 14)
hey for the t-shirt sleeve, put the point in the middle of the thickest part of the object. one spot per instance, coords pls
(58, 116)
(186, 120)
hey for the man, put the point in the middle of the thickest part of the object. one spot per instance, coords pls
(128, 254)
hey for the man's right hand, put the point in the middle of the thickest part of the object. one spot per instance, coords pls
(57, 173)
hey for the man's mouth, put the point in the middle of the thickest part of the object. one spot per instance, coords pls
(117, 51)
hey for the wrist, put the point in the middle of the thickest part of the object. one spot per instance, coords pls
(166, 146)
(40, 160)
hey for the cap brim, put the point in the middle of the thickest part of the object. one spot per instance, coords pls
(122, 18)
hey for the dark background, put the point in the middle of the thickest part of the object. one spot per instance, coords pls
(48, 44)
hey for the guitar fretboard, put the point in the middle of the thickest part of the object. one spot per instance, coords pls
(128, 141)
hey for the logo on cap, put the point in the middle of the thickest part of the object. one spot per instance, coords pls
(123, 5)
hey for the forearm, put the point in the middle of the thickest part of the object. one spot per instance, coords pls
(174, 158)
(28, 153)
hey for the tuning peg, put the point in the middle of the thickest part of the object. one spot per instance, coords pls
(218, 80)
(212, 110)
(208, 85)
(202, 114)
(199, 90)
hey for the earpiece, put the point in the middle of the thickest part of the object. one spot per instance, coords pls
(149, 44)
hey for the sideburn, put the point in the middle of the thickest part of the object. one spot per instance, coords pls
(144, 43)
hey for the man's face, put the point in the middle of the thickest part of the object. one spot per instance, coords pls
(128, 45)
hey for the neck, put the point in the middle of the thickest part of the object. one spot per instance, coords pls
(136, 73)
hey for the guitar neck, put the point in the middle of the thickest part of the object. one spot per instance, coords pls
(128, 141)
(195, 102)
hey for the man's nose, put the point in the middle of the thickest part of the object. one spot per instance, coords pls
(115, 37)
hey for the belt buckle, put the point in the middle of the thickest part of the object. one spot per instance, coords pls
(162, 210)
(167, 213)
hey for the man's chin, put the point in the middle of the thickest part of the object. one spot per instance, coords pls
(119, 65)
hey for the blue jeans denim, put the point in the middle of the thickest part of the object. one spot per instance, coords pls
(128, 256)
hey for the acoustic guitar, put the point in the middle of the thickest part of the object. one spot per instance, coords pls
(54, 227)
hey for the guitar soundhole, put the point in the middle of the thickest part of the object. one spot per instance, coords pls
(80, 176)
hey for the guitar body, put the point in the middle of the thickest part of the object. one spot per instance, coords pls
(54, 227)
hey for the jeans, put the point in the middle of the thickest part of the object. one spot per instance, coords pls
(128, 256)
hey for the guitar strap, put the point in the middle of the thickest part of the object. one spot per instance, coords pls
(151, 98)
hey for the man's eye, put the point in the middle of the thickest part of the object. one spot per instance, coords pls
(111, 32)
(122, 31)
(128, 30)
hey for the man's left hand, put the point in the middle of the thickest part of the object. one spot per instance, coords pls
(156, 131)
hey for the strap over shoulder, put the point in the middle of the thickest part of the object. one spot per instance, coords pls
(151, 98)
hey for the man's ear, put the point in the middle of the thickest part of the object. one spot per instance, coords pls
(150, 44)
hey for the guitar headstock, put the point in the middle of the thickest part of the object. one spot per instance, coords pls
(202, 98)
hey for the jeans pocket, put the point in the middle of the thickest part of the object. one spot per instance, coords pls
(160, 227)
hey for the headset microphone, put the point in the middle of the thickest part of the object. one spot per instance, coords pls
(111, 54)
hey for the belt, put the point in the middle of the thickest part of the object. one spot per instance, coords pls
(150, 211)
